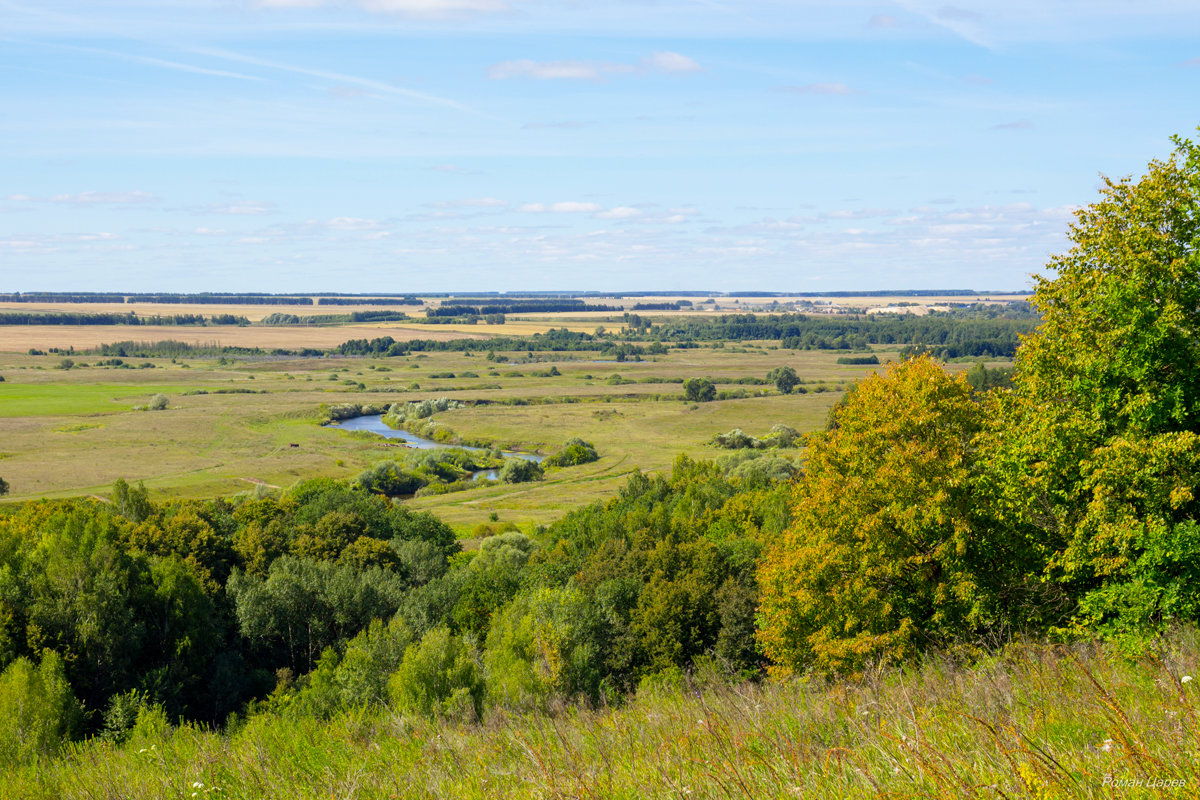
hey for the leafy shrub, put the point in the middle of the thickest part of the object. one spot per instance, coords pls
(38, 711)
(438, 678)
(858, 360)
(389, 478)
(735, 440)
(158, 403)
(575, 451)
(520, 470)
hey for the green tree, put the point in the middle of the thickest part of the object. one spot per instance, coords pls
(3, 487)
(1100, 450)
(699, 390)
(133, 503)
(38, 711)
(438, 677)
(784, 378)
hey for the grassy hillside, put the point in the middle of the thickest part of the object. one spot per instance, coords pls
(1033, 721)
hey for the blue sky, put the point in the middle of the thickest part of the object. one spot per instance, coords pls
(452, 145)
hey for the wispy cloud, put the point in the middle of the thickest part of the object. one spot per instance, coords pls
(338, 77)
(470, 202)
(1015, 125)
(832, 89)
(409, 8)
(568, 125)
(163, 63)
(97, 198)
(246, 208)
(662, 62)
(453, 169)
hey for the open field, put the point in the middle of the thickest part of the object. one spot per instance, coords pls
(234, 424)
(254, 421)
(20, 338)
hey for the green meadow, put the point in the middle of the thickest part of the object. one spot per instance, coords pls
(233, 425)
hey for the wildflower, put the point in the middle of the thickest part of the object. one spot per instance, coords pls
(1186, 679)
(1106, 747)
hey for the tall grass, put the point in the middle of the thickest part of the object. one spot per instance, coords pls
(1035, 721)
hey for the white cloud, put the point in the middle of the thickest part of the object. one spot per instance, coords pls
(103, 198)
(565, 207)
(671, 62)
(344, 224)
(620, 212)
(470, 202)
(662, 62)
(549, 70)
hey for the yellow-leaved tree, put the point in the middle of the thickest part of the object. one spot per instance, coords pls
(891, 549)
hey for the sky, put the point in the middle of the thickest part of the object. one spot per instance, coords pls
(513, 145)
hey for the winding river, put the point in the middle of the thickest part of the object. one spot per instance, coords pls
(375, 424)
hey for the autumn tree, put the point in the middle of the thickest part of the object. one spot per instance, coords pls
(888, 552)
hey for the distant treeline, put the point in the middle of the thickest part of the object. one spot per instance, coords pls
(971, 332)
(55, 297)
(171, 348)
(678, 304)
(553, 339)
(334, 319)
(517, 307)
(23, 318)
(407, 300)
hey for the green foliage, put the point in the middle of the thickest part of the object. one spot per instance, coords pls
(3, 487)
(356, 679)
(887, 552)
(575, 451)
(305, 606)
(784, 378)
(438, 677)
(699, 390)
(520, 470)
(158, 402)
(982, 379)
(38, 711)
(130, 502)
(538, 648)
(858, 360)
(390, 479)
(779, 436)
